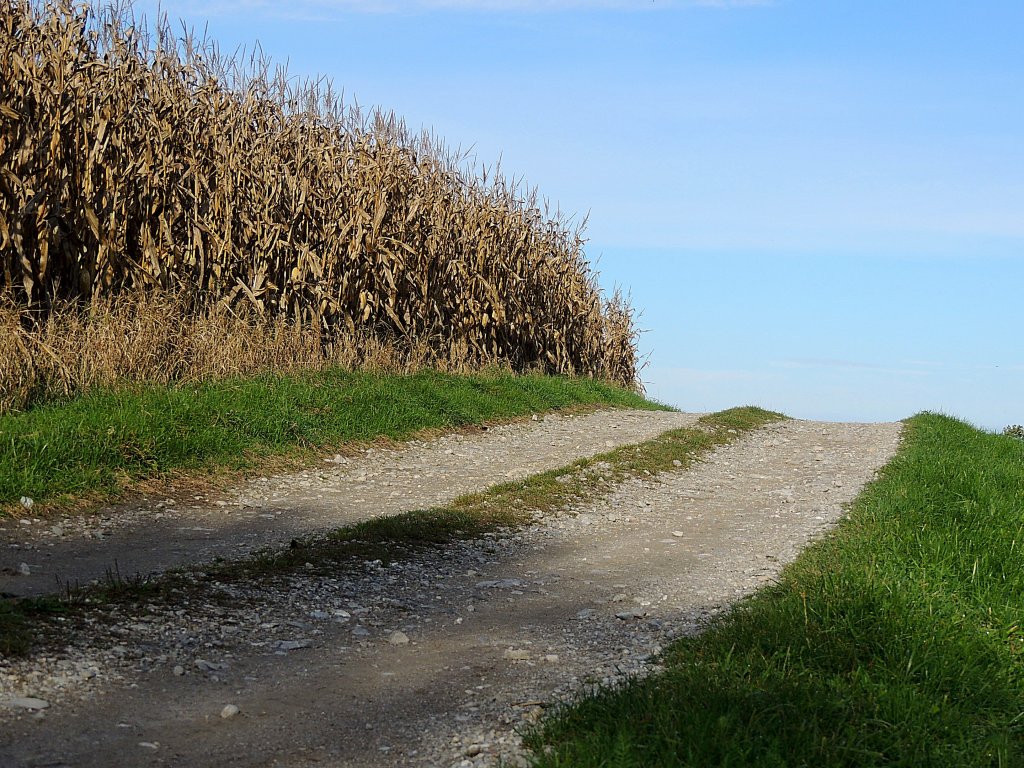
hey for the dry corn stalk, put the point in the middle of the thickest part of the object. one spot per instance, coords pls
(132, 161)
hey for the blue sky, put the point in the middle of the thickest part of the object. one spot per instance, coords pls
(817, 205)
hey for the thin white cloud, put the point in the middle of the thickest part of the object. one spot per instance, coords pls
(325, 9)
(852, 365)
(676, 375)
(543, 5)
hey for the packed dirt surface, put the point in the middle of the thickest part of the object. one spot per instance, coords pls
(439, 660)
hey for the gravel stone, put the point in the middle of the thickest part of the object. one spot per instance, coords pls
(25, 702)
(293, 645)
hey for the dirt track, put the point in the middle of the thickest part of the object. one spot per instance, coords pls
(437, 661)
(160, 533)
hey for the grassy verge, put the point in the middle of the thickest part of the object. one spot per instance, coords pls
(98, 444)
(501, 507)
(897, 641)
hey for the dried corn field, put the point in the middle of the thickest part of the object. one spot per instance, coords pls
(136, 165)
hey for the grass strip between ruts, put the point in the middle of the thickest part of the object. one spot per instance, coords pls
(896, 641)
(96, 445)
(504, 506)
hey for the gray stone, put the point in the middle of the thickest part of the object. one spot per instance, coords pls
(25, 702)
(209, 666)
(499, 584)
(633, 614)
(292, 645)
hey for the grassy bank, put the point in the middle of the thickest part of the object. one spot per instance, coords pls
(96, 445)
(896, 642)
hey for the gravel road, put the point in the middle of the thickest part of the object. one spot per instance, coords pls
(160, 533)
(439, 660)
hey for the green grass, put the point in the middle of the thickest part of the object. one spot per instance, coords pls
(390, 538)
(897, 641)
(96, 445)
